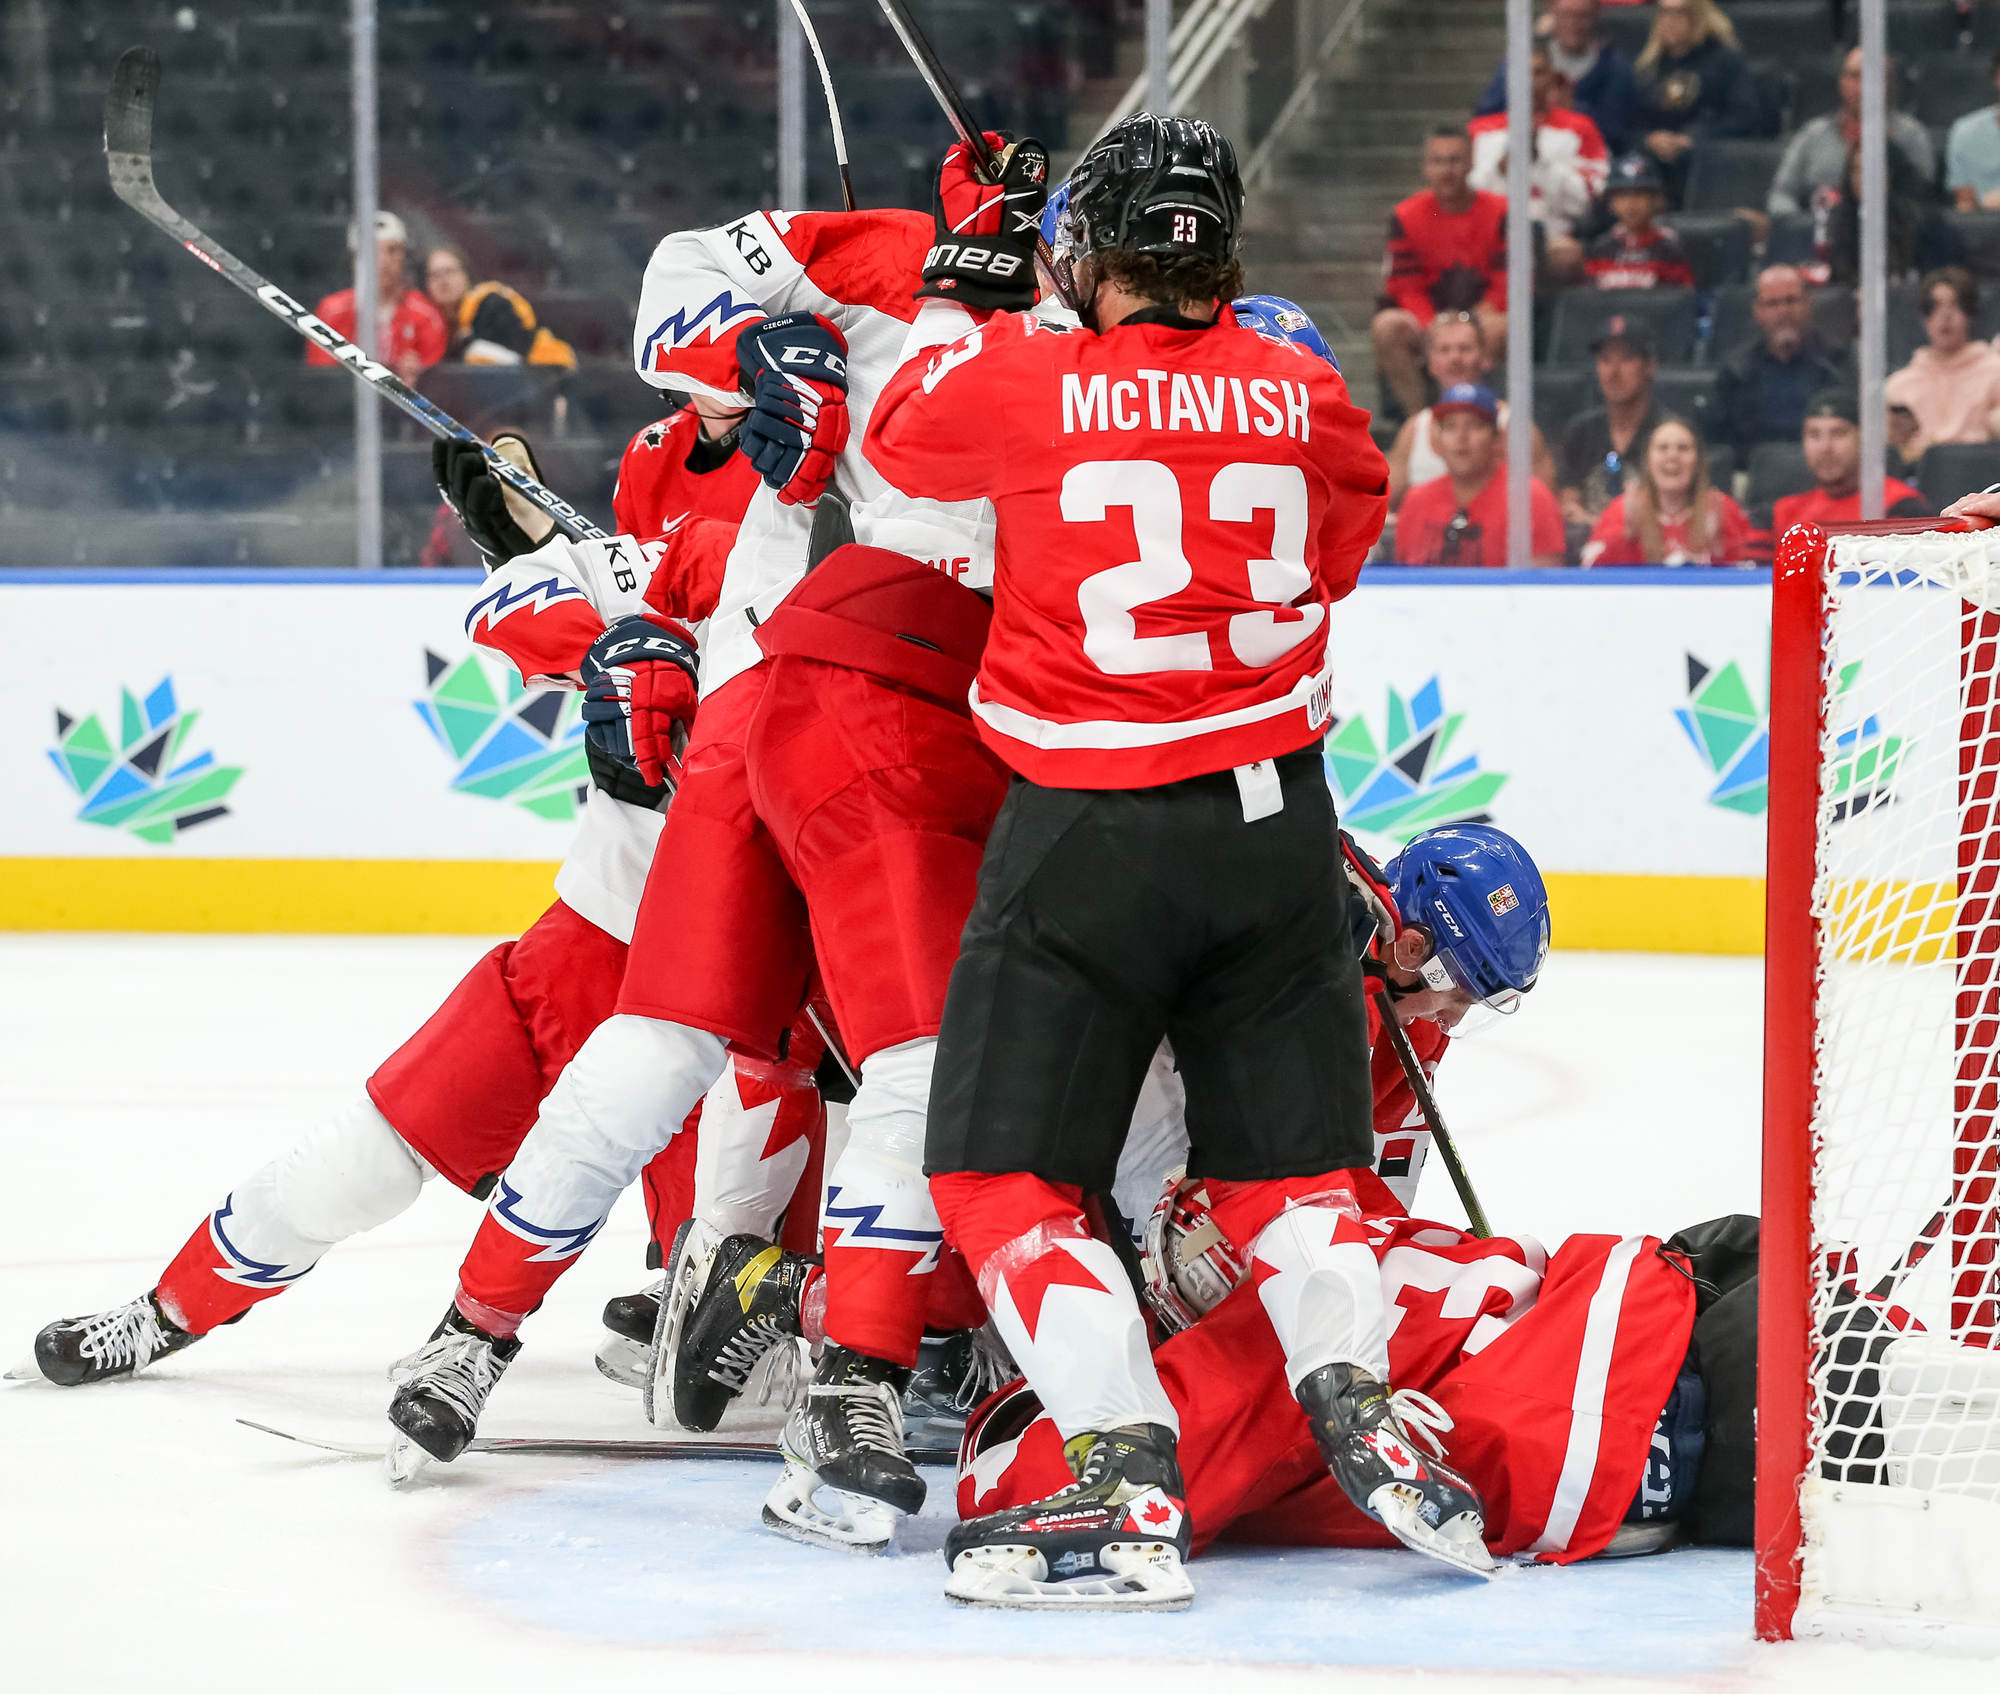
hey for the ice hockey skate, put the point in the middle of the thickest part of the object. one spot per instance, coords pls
(748, 1305)
(75, 1352)
(625, 1352)
(1365, 1435)
(442, 1389)
(847, 1478)
(688, 1260)
(954, 1373)
(1116, 1539)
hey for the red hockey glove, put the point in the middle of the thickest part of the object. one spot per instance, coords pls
(1371, 913)
(640, 690)
(983, 246)
(796, 366)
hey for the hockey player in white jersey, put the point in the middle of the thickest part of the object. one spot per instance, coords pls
(834, 805)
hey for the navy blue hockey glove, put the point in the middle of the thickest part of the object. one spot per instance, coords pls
(640, 687)
(796, 366)
(983, 237)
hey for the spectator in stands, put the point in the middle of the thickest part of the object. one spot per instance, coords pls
(1832, 442)
(1454, 353)
(1815, 161)
(1569, 168)
(1600, 443)
(1972, 156)
(1460, 518)
(1637, 251)
(1920, 237)
(1670, 514)
(1693, 86)
(491, 324)
(1447, 253)
(1601, 85)
(1951, 386)
(409, 333)
(1763, 386)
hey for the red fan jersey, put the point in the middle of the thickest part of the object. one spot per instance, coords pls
(1441, 261)
(1899, 500)
(1177, 509)
(1650, 258)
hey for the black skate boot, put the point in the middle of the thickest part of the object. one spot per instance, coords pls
(955, 1372)
(749, 1305)
(1116, 1539)
(847, 1478)
(75, 1352)
(1364, 1434)
(444, 1385)
(625, 1351)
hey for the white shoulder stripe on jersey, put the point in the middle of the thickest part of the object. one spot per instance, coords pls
(1311, 692)
(1586, 1405)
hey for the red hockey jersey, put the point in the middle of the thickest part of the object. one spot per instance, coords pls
(1553, 1371)
(657, 486)
(1177, 509)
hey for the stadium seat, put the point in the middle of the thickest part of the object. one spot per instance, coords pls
(1732, 173)
(1790, 241)
(1955, 468)
(1777, 468)
(1816, 83)
(1687, 393)
(1581, 313)
(1718, 246)
(1944, 89)
(1980, 231)
(1780, 28)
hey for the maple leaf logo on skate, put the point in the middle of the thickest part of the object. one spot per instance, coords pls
(1400, 1460)
(1732, 733)
(142, 785)
(508, 744)
(1411, 779)
(1153, 1513)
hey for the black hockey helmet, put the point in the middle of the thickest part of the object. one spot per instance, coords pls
(1166, 186)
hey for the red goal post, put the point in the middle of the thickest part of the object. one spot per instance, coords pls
(1878, 1444)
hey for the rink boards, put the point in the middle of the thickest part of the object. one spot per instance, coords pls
(323, 751)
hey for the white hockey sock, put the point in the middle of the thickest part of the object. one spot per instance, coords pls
(1062, 1303)
(616, 1104)
(1322, 1295)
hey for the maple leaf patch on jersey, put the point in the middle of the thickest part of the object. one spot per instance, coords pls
(1154, 1513)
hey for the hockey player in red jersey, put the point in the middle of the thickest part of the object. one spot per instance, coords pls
(834, 805)
(1165, 863)
(457, 1097)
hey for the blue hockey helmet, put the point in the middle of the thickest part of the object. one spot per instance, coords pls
(1478, 894)
(1277, 319)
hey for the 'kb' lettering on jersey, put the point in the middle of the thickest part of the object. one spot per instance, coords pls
(1177, 509)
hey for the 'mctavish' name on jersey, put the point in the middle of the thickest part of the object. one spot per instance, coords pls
(1178, 508)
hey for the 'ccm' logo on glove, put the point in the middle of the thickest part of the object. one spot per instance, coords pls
(640, 680)
(796, 367)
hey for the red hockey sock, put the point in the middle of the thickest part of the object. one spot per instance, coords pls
(202, 1287)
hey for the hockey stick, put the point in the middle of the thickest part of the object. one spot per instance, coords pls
(128, 152)
(1427, 1103)
(943, 90)
(832, 105)
(538, 1446)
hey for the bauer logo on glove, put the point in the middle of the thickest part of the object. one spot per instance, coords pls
(640, 687)
(796, 366)
(983, 247)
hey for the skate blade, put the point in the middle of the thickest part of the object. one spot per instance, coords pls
(404, 1461)
(1139, 1576)
(804, 1509)
(624, 1361)
(1455, 1542)
(26, 1371)
(695, 1246)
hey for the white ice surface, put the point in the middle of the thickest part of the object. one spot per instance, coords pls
(146, 1540)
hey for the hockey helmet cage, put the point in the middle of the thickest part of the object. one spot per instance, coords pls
(1277, 319)
(1166, 186)
(1479, 896)
(1190, 1266)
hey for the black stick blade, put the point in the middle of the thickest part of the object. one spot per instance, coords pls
(128, 103)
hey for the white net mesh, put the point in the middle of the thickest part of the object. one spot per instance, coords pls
(1905, 1405)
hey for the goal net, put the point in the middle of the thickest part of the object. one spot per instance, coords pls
(1878, 1510)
